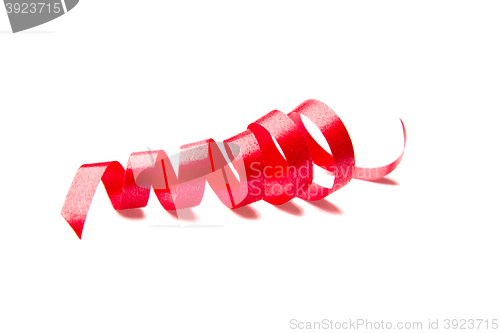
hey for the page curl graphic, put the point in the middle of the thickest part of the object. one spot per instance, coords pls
(265, 172)
(26, 14)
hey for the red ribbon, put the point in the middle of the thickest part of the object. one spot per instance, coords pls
(263, 171)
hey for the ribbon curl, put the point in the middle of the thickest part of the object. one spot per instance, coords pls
(264, 172)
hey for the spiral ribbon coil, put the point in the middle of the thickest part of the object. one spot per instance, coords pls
(264, 171)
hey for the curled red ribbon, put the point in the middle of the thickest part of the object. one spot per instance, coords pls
(264, 172)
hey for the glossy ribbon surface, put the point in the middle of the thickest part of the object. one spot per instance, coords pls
(264, 171)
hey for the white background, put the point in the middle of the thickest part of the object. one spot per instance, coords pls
(113, 77)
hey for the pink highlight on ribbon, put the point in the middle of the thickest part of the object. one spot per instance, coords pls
(264, 173)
